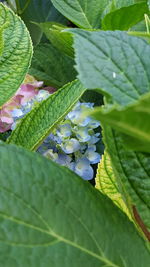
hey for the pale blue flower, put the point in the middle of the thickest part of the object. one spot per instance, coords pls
(51, 155)
(63, 159)
(17, 113)
(74, 116)
(71, 166)
(64, 130)
(92, 156)
(43, 148)
(54, 138)
(87, 105)
(82, 134)
(70, 146)
(72, 143)
(49, 138)
(14, 125)
(84, 121)
(94, 138)
(26, 107)
(42, 95)
(93, 124)
(92, 147)
(83, 168)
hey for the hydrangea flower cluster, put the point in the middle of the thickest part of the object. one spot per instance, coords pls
(24, 94)
(28, 94)
(72, 144)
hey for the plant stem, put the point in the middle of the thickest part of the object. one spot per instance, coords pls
(18, 6)
(25, 7)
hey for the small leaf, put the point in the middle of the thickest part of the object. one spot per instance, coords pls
(114, 62)
(133, 121)
(132, 171)
(125, 17)
(116, 4)
(63, 41)
(50, 216)
(83, 13)
(52, 66)
(37, 124)
(107, 184)
(39, 11)
(16, 53)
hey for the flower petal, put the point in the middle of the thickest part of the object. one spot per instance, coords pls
(64, 130)
(70, 146)
(83, 169)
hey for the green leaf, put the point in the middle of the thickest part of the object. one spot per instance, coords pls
(107, 184)
(61, 40)
(124, 18)
(124, 3)
(83, 13)
(16, 53)
(37, 124)
(132, 171)
(140, 27)
(2, 28)
(116, 4)
(132, 120)
(52, 217)
(52, 66)
(39, 11)
(136, 1)
(114, 62)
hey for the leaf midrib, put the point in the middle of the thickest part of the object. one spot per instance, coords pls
(84, 15)
(60, 238)
(24, 203)
(50, 232)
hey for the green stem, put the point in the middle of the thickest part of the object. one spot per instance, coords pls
(147, 22)
(18, 6)
(25, 7)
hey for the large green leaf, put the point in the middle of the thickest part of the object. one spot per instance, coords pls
(107, 184)
(51, 217)
(16, 52)
(126, 17)
(114, 62)
(119, 65)
(52, 66)
(84, 13)
(61, 40)
(132, 120)
(132, 171)
(37, 124)
(39, 11)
